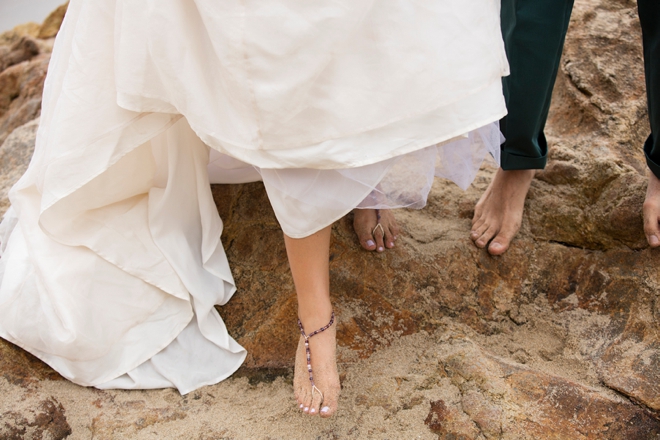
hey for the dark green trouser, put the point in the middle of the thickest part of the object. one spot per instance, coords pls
(649, 16)
(533, 32)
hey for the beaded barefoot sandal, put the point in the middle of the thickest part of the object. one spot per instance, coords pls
(378, 225)
(309, 354)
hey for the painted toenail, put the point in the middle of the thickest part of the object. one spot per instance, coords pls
(654, 240)
(312, 411)
(370, 243)
(325, 409)
(306, 409)
(380, 249)
(391, 243)
(301, 406)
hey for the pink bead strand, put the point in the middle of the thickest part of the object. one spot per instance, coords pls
(307, 350)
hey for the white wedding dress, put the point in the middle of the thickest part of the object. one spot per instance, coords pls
(112, 261)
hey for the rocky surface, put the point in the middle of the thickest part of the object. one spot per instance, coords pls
(24, 61)
(15, 154)
(557, 339)
(52, 23)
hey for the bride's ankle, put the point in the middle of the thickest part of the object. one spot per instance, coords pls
(315, 325)
(314, 316)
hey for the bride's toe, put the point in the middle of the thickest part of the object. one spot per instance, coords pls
(300, 399)
(304, 399)
(330, 403)
(307, 403)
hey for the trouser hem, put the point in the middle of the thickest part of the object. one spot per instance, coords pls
(653, 166)
(510, 161)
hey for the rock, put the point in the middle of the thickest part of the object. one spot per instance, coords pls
(52, 24)
(467, 392)
(630, 364)
(422, 386)
(591, 192)
(22, 50)
(43, 419)
(21, 368)
(15, 155)
(552, 407)
(140, 417)
(21, 87)
(22, 30)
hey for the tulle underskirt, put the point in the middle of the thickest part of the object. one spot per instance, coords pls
(307, 200)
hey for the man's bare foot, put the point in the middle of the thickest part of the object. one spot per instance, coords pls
(364, 223)
(652, 211)
(499, 212)
(324, 369)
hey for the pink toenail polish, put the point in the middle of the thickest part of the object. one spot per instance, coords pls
(380, 249)
(312, 411)
(370, 243)
(301, 406)
(325, 409)
(306, 409)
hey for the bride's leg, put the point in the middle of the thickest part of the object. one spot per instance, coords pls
(309, 261)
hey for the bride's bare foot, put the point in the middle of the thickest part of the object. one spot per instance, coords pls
(364, 223)
(309, 261)
(652, 211)
(324, 370)
(499, 212)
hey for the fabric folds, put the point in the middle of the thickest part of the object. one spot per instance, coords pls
(112, 263)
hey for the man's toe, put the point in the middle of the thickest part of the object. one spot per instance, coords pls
(497, 248)
(654, 241)
(500, 244)
(651, 222)
(478, 231)
(478, 211)
(485, 237)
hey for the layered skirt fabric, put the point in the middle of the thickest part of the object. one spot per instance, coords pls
(112, 261)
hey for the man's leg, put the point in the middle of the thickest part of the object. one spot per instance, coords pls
(649, 16)
(534, 32)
